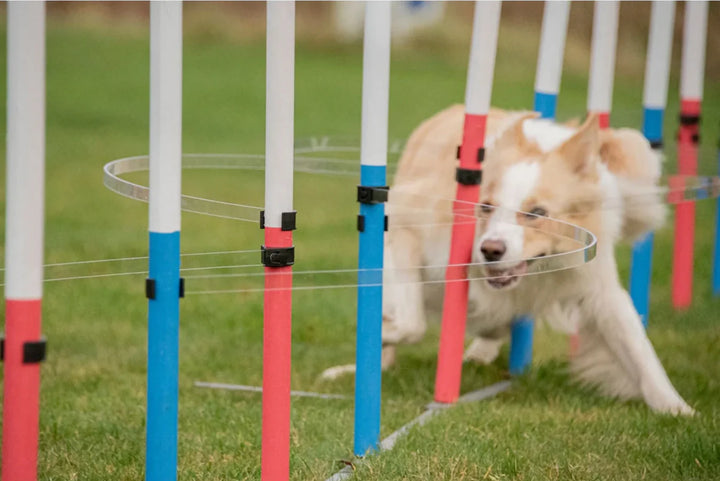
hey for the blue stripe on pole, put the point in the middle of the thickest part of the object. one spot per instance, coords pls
(716, 256)
(521, 344)
(641, 260)
(546, 104)
(163, 327)
(368, 376)
(653, 124)
(640, 270)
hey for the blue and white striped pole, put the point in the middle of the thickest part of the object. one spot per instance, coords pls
(547, 86)
(657, 73)
(163, 285)
(371, 224)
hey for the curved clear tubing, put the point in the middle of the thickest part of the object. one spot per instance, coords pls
(338, 156)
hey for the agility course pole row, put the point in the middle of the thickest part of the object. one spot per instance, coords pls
(163, 285)
(23, 348)
(547, 87)
(372, 194)
(655, 91)
(692, 70)
(468, 175)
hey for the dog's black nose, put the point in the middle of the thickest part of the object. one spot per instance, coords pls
(492, 250)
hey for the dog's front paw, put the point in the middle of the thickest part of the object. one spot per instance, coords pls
(483, 350)
(332, 373)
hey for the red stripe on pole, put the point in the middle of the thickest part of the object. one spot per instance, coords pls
(603, 119)
(450, 354)
(276, 363)
(685, 211)
(21, 394)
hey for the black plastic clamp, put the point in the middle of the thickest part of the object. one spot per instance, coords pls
(686, 119)
(33, 351)
(361, 223)
(656, 144)
(151, 288)
(277, 256)
(372, 195)
(468, 176)
(287, 220)
(480, 153)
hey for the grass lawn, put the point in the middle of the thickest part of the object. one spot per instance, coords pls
(92, 424)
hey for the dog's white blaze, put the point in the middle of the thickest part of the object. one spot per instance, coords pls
(546, 134)
(517, 183)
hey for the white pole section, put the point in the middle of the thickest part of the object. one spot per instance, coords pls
(279, 125)
(165, 116)
(25, 151)
(552, 46)
(482, 57)
(692, 69)
(659, 53)
(376, 93)
(602, 57)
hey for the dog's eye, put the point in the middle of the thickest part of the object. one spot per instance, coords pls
(486, 208)
(537, 212)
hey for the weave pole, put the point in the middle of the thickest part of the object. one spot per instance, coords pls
(163, 285)
(468, 175)
(657, 74)
(278, 253)
(372, 193)
(24, 349)
(691, 90)
(602, 70)
(547, 86)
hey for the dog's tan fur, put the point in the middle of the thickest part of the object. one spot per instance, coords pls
(585, 180)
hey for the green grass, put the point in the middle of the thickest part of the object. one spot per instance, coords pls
(93, 391)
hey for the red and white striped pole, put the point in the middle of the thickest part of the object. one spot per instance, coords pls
(691, 90)
(278, 253)
(24, 349)
(468, 176)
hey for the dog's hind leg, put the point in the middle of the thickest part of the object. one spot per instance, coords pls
(387, 360)
(622, 346)
(403, 303)
(403, 317)
(483, 350)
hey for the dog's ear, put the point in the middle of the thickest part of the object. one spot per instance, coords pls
(581, 150)
(513, 136)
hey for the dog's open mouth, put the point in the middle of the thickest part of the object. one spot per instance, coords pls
(503, 278)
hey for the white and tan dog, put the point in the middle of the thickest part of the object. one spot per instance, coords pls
(533, 170)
